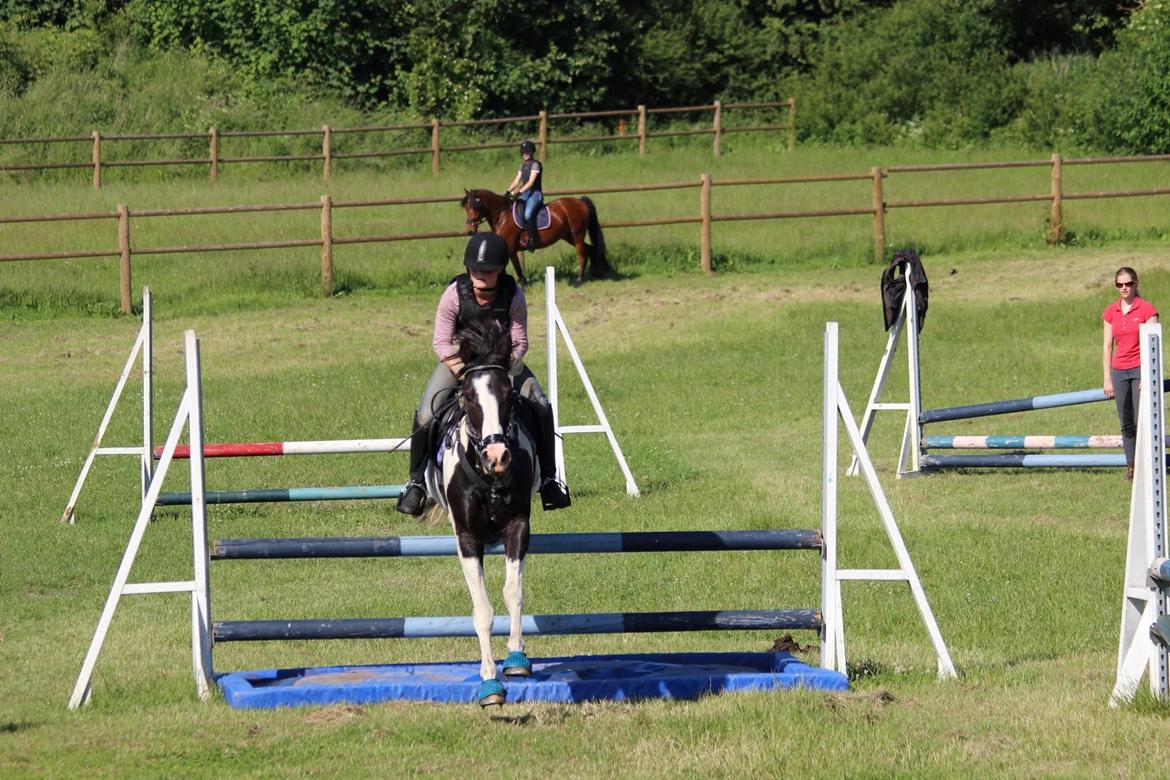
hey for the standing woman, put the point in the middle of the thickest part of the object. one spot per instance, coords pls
(1121, 358)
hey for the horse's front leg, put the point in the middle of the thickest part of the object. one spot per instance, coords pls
(491, 691)
(518, 264)
(517, 663)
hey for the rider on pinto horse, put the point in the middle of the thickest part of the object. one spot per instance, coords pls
(484, 293)
(527, 187)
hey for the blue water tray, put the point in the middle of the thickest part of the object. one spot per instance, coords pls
(568, 679)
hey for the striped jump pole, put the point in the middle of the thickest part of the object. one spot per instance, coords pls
(260, 449)
(1019, 405)
(461, 626)
(531, 625)
(613, 542)
(1021, 460)
(284, 495)
(1022, 442)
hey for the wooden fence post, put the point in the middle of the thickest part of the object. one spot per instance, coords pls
(327, 244)
(705, 225)
(327, 151)
(213, 151)
(879, 216)
(124, 259)
(718, 124)
(97, 160)
(641, 131)
(792, 124)
(1055, 218)
(435, 146)
(543, 135)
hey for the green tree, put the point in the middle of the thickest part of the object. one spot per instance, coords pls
(927, 71)
(1137, 78)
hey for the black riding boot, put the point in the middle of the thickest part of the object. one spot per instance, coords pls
(414, 494)
(533, 233)
(554, 494)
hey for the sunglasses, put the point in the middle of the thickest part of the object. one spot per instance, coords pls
(1125, 284)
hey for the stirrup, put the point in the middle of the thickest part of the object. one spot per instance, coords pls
(554, 495)
(413, 499)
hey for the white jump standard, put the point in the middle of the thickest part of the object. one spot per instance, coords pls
(1144, 645)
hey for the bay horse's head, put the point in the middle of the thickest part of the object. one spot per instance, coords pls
(474, 208)
(486, 394)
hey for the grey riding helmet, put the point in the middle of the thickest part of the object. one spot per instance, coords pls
(485, 252)
(527, 146)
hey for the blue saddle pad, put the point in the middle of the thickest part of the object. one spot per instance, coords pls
(543, 220)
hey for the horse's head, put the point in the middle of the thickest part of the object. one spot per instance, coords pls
(486, 394)
(474, 208)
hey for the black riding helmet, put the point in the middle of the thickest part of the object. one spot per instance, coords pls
(485, 252)
(527, 146)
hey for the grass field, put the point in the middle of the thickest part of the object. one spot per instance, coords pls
(713, 387)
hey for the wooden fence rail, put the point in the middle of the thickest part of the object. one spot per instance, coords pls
(705, 217)
(435, 149)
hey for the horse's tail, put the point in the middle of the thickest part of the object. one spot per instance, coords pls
(599, 262)
(434, 514)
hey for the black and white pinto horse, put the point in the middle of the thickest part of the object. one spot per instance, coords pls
(485, 484)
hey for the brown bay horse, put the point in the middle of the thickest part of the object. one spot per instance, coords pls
(570, 220)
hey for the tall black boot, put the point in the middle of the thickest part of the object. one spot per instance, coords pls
(554, 494)
(533, 233)
(414, 494)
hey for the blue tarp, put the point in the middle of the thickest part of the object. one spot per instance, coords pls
(568, 679)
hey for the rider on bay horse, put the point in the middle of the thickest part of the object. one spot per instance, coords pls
(527, 187)
(484, 293)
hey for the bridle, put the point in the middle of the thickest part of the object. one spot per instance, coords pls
(474, 202)
(471, 459)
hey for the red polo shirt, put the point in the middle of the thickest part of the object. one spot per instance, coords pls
(1127, 352)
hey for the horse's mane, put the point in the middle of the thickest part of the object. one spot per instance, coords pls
(487, 342)
(481, 195)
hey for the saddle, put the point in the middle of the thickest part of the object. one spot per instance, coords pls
(543, 220)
